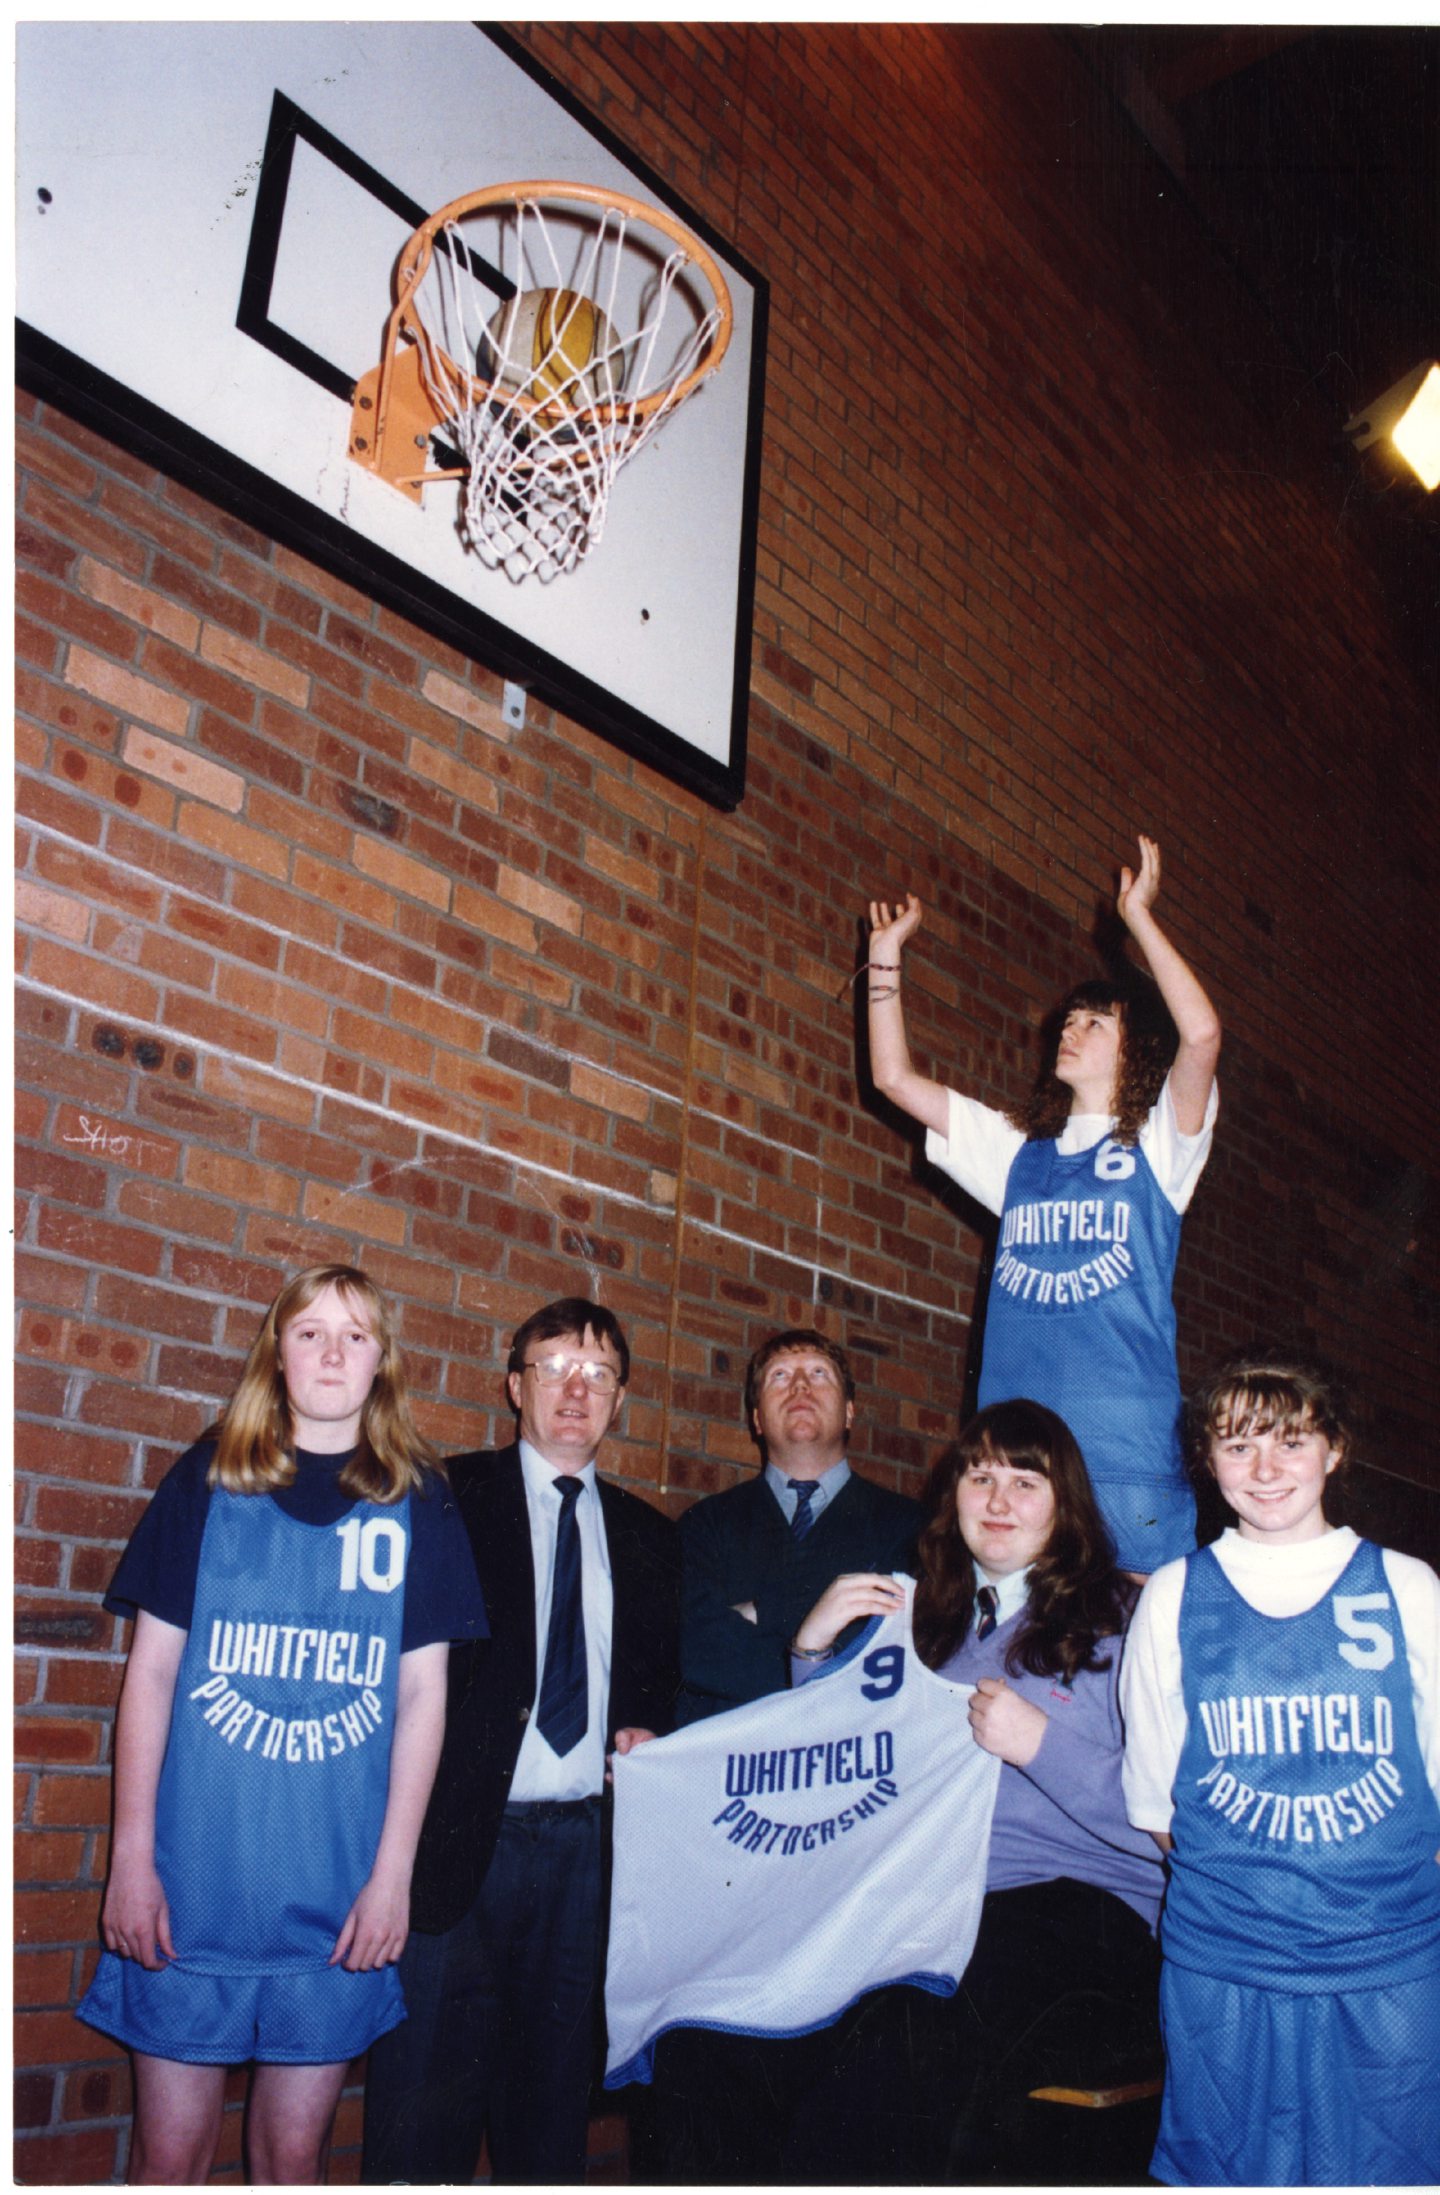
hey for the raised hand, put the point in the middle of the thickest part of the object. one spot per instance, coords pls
(1139, 889)
(889, 932)
(895, 1077)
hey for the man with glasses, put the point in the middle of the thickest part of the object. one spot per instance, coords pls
(502, 1970)
(757, 1557)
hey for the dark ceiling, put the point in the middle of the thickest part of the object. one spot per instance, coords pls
(1312, 158)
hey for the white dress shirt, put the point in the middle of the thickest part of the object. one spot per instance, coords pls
(580, 1774)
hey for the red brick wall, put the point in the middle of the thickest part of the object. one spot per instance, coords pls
(321, 958)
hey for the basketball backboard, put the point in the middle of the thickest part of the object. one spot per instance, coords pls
(209, 217)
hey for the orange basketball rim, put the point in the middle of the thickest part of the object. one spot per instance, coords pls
(419, 388)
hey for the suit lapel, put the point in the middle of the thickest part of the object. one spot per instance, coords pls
(500, 1536)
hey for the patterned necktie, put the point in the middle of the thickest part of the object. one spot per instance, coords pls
(804, 1491)
(987, 1600)
(564, 1708)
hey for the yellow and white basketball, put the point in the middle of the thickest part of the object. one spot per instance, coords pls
(555, 347)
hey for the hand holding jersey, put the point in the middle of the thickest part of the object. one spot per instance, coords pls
(853, 1594)
(775, 1862)
(1002, 1723)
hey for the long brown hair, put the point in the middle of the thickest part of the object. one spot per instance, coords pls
(1077, 1597)
(1147, 1046)
(255, 1444)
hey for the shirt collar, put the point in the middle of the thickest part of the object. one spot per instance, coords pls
(1013, 1592)
(827, 1486)
(540, 1476)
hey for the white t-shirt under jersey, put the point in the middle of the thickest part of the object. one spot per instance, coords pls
(1278, 1581)
(979, 1146)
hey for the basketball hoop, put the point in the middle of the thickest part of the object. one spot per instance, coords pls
(610, 315)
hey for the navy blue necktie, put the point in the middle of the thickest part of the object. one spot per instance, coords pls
(804, 1491)
(565, 1691)
(987, 1600)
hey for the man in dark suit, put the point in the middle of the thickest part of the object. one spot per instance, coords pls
(757, 1557)
(736, 2109)
(502, 1971)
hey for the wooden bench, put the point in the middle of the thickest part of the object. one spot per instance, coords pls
(1099, 2099)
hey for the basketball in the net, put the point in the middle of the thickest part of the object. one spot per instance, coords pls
(555, 347)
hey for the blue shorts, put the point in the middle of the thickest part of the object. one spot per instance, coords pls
(1263, 2089)
(307, 2016)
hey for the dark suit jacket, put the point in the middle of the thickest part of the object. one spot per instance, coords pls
(737, 1546)
(492, 1682)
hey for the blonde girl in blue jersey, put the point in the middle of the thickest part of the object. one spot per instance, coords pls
(1281, 1693)
(276, 1739)
(1091, 1180)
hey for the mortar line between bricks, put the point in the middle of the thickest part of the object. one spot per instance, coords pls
(491, 1150)
(682, 1170)
(403, 983)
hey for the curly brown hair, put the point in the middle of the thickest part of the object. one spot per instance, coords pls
(1148, 1040)
(1077, 1596)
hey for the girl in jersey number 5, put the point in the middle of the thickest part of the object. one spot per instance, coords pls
(1090, 1182)
(295, 1584)
(1281, 1692)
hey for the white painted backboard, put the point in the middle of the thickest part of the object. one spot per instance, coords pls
(213, 304)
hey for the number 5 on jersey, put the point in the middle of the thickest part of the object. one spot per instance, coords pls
(1368, 1645)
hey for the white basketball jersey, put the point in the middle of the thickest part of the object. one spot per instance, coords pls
(774, 1863)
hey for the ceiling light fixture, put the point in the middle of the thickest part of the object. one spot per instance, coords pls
(1408, 416)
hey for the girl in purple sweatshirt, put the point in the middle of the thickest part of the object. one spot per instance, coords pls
(1019, 1596)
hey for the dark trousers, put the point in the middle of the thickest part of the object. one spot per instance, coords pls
(1062, 1989)
(908, 2088)
(739, 2111)
(500, 2036)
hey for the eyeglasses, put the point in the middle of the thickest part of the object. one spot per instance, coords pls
(601, 1379)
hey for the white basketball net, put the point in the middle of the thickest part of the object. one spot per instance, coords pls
(540, 471)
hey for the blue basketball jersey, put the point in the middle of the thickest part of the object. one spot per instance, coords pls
(275, 1781)
(1080, 1317)
(1305, 1827)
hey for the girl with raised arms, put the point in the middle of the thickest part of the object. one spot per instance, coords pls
(295, 1584)
(1090, 1180)
(1282, 1704)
